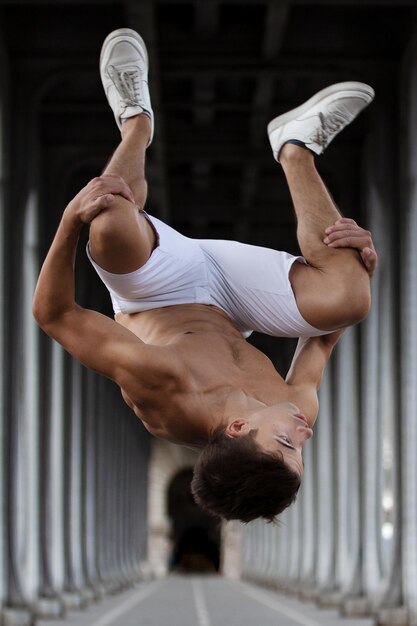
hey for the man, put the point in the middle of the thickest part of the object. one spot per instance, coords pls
(184, 307)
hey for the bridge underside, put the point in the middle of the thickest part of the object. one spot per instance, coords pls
(90, 503)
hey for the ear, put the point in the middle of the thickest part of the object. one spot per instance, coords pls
(237, 428)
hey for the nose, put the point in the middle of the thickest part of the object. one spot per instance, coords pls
(303, 433)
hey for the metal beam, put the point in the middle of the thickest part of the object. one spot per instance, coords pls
(274, 28)
(206, 19)
(141, 17)
(317, 3)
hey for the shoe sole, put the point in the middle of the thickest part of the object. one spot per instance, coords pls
(318, 97)
(123, 32)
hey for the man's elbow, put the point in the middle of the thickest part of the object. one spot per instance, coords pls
(46, 316)
(42, 316)
(39, 311)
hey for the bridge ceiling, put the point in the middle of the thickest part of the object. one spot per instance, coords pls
(219, 72)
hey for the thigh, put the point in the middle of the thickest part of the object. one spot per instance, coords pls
(252, 285)
(333, 297)
(175, 273)
(121, 238)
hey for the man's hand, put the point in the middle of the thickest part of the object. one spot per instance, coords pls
(55, 292)
(97, 195)
(345, 233)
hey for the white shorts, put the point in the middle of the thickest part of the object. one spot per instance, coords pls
(251, 284)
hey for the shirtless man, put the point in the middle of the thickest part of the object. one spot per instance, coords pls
(184, 307)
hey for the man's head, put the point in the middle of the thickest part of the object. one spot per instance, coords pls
(252, 467)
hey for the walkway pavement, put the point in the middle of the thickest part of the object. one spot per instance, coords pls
(203, 601)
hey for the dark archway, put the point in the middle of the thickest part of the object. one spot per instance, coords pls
(195, 535)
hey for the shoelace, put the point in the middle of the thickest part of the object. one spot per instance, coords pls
(127, 84)
(330, 124)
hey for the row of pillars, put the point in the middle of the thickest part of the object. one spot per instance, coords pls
(351, 539)
(73, 458)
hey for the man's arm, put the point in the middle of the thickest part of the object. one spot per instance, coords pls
(95, 340)
(310, 359)
(307, 367)
(313, 353)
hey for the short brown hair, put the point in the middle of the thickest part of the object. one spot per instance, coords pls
(235, 479)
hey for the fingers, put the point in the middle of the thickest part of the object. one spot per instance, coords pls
(342, 226)
(96, 206)
(345, 233)
(370, 260)
(99, 187)
(111, 184)
(97, 195)
(102, 202)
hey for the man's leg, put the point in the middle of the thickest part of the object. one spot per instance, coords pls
(333, 291)
(121, 239)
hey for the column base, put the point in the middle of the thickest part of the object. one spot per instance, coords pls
(87, 597)
(49, 607)
(308, 594)
(356, 606)
(398, 616)
(72, 600)
(329, 599)
(16, 617)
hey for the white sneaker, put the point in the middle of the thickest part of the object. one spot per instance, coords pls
(317, 122)
(124, 74)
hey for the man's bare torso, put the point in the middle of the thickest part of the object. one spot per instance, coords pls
(215, 361)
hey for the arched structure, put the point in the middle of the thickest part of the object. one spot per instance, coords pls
(83, 487)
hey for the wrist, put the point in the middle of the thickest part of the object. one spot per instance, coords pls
(70, 219)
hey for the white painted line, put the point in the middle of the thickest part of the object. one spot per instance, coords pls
(274, 604)
(200, 604)
(129, 604)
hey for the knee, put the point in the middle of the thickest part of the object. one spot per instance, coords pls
(103, 221)
(105, 226)
(353, 302)
(360, 307)
(332, 300)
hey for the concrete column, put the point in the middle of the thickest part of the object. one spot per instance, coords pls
(90, 481)
(105, 450)
(251, 547)
(52, 488)
(308, 502)
(23, 514)
(265, 549)
(139, 443)
(102, 494)
(294, 543)
(348, 463)
(248, 548)
(284, 546)
(271, 550)
(232, 538)
(3, 193)
(371, 439)
(380, 421)
(115, 462)
(409, 335)
(326, 484)
(3, 513)
(73, 445)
